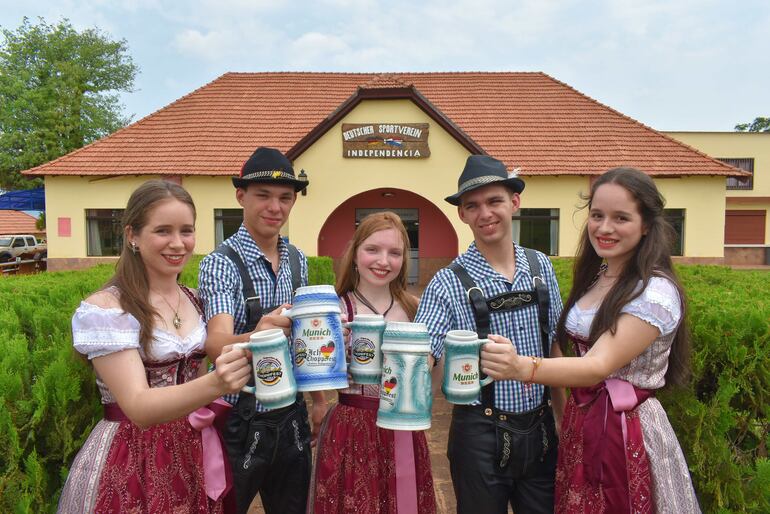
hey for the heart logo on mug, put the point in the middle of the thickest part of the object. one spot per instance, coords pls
(390, 384)
(327, 349)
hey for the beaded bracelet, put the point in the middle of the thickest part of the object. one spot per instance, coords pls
(535, 364)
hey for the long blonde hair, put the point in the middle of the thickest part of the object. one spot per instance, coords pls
(348, 277)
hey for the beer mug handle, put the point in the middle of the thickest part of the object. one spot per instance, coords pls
(286, 312)
(484, 379)
(246, 346)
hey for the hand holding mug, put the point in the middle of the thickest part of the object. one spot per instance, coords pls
(232, 369)
(276, 319)
(499, 359)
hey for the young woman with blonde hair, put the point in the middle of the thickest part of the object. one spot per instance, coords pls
(360, 467)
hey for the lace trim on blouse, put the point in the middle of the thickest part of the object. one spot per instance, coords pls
(99, 331)
(659, 305)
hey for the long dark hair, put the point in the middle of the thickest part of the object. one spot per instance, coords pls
(130, 274)
(652, 257)
(348, 276)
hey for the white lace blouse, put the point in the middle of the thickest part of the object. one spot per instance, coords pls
(98, 331)
(660, 306)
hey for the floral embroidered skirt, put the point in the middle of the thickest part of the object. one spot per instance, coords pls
(123, 468)
(355, 469)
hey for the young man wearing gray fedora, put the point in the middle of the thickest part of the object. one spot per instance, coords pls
(502, 447)
(244, 284)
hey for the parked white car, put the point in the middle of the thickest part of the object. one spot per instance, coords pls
(25, 246)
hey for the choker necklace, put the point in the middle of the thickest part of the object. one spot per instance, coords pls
(176, 321)
(369, 306)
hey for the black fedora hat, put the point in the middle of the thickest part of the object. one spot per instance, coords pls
(268, 166)
(483, 170)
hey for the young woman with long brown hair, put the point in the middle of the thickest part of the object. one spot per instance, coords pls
(625, 320)
(356, 461)
(155, 450)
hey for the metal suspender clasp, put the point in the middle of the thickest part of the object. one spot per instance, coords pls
(250, 298)
(536, 278)
(468, 293)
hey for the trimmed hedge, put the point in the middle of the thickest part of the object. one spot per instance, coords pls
(49, 402)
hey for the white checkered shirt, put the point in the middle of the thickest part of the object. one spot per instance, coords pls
(221, 290)
(444, 306)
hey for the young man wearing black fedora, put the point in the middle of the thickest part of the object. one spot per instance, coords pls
(244, 284)
(502, 448)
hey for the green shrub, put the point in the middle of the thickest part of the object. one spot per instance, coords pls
(320, 270)
(49, 401)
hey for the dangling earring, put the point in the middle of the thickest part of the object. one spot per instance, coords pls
(134, 248)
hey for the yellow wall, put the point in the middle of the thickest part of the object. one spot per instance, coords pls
(739, 145)
(563, 193)
(703, 199)
(333, 178)
(69, 197)
(735, 145)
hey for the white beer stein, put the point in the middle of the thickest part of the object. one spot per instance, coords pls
(317, 342)
(462, 371)
(405, 387)
(273, 378)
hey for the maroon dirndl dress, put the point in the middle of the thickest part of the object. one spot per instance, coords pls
(363, 469)
(125, 468)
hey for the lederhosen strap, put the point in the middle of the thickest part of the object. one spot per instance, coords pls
(252, 304)
(509, 301)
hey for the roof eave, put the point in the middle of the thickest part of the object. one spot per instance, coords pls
(384, 93)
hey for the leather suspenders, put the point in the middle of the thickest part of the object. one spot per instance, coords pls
(254, 309)
(506, 302)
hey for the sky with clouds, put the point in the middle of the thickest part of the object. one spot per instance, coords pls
(671, 64)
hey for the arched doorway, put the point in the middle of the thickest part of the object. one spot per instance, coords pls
(431, 233)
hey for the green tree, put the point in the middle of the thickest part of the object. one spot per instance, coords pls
(759, 124)
(58, 92)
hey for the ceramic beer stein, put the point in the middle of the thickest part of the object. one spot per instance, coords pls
(462, 374)
(405, 388)
(273, 378)
(316, 336)
(365, 348)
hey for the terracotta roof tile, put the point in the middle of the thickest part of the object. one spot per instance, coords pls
(528, 120)
(17, 222)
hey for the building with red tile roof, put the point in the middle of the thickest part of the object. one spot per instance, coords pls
(18, 222)
(554, 135)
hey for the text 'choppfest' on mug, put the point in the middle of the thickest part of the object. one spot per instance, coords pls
(317, 342)
(274, 384)
(462, 374)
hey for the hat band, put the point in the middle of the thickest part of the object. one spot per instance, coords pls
(276, 174)
(487, 179)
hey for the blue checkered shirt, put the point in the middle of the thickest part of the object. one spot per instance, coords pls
(444, 306)
(221, 290)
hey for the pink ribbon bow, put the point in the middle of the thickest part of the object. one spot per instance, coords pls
(214, 475)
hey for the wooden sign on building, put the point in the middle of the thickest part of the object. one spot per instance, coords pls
(385, 140)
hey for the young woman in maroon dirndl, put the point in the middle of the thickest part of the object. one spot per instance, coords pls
(157, 449)
(361, 468)
(624, 318)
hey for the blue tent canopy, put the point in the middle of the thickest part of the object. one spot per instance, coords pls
(25, 200)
